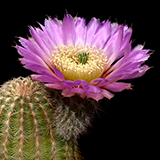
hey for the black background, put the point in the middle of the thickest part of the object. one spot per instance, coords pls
(128, 125)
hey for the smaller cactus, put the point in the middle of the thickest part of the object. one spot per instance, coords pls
(27, 131)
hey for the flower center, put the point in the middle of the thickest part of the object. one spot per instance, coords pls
(79, 62)
(83, 57)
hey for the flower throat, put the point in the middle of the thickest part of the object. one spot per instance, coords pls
(79, 62)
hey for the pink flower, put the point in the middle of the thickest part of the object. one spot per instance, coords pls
(89, 60)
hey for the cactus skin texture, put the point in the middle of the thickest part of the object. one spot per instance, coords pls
(27, 129)
(73, 115)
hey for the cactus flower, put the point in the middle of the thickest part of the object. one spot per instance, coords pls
(87, 60)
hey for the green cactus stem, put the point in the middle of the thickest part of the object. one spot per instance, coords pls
(27, 129)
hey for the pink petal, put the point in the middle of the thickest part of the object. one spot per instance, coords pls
(80, 82)
(118, 64)
(98, 82)
(138, 47)
(138, 72)
(107, 94)
(46, 38)
(30, 56)
(44, 78)
(67, 93)
(35, 50)
(138, 55)
(39, 41)
(96, 96)
(102, 34)
(91, 28)
(58, 73)
(68, 84)
(126, 38)
(113, 46)
(80, 28)
(93, 89)
(55, 86)
(31, 65)
(77, 90)
(82, 95)
(68, 28)
(77, 86)
(118, 86)
(54, 29)
(114, 27)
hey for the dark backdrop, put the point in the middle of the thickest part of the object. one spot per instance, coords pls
(127, 125)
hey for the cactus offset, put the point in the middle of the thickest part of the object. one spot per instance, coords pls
(27, 130)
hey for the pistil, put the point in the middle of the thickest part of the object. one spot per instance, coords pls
(83, 57)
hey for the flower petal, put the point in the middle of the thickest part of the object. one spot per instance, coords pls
(96, 96)
(30, 56)
(138, 72)
(114, 27)
(39, 41)
(91, 28)
(131, 62)
(138, 47)
(98, 82)
(67, 93)
(31, 65)
(118, 86)
(93, 89)
(79, 86)
(107, 94)
(81, 82)
(77, 90)
(34, 49)
(58, 73)
(44, 78)
(126, 38)
(118, 64)
(113, 46)
(80, 29)
(68, 28)
(46, 38)
(102, 34)
(55, 86)
(68, 84)
(54, 29)
(138, 55)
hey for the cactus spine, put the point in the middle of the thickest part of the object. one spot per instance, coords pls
(27, 129)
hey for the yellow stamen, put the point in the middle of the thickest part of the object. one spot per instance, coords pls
(65, 58)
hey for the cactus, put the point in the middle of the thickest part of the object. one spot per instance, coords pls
(73, 115)
(27, 129)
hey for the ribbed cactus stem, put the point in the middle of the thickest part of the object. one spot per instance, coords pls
(72, 115)
(27, 129)
(72, 151)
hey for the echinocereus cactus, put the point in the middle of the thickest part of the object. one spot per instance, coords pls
(84, 62)
(27, 131)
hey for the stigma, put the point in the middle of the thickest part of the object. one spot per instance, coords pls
(79, 62)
